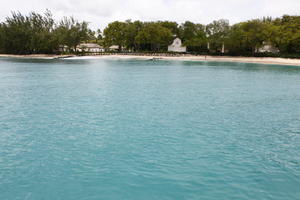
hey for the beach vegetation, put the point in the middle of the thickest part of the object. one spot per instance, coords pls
(39, 33)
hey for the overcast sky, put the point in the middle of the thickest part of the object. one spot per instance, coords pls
(100, 12)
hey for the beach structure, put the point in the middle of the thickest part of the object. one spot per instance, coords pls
(63, 48)
(90, 47)
(113, 48)
(267, 48)
(223, 48)
(177, 46)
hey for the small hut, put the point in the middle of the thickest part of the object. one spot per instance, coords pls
(90, 47)
(114, 48)
(267, 47)
(177, 46)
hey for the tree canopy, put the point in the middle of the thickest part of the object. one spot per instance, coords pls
(40, 33)
(36, 33)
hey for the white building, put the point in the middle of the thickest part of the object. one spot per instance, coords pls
(90, 47)
(176, 46)
(63, 48)
(267, 48)
(114, 48)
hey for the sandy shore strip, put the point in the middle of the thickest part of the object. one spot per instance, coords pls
(260, 60)
(38, 56)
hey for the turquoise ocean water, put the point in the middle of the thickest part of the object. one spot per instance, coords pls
(132, 129)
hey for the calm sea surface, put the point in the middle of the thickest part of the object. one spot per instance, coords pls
(132, 129)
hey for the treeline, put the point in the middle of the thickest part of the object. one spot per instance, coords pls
(244, 38)
(36, 33)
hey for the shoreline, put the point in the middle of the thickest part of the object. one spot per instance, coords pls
(36, 56)
(258, 60)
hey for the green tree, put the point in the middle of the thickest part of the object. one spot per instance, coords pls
(288, 34)
(70, 32)
(193, 36)
(1, 39)
(217, 33)
(131, 30)
(172, 26)
(114, 34)
(255, 33)
(99, 34)
(43, 39)
(40, 33)
(35, 33)
(236, 42)
(154, 37)
(28, 34)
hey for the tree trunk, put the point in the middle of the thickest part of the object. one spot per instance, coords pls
(223, 48)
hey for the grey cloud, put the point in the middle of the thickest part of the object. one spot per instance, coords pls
(101, 12)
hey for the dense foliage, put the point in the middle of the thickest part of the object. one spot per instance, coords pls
(37, 33)
(244, 38)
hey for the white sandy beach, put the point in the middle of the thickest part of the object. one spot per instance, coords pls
(262, 60)
(39, 56)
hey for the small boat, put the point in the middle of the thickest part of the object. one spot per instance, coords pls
(154, 59)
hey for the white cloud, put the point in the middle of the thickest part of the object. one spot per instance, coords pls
(100, 12)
